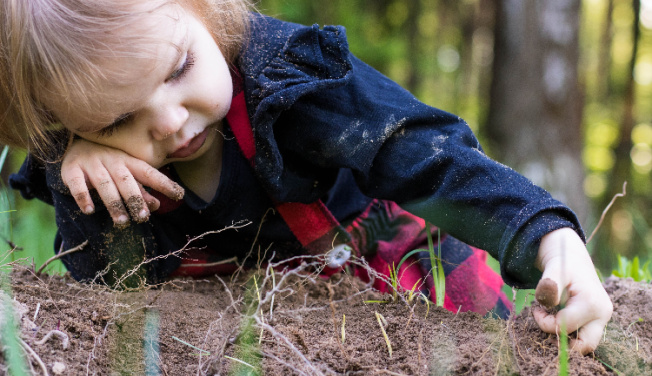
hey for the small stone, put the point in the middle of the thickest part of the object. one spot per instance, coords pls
(58, 368)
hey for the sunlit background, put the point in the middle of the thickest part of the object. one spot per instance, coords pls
(561, 90)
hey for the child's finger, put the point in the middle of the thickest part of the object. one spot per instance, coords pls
(589, 334)
(130, 191)
(155, 179)
(152, 202)
(75, 180)
(573, 317)
(588, 337)
(546, 320)
(103, 183)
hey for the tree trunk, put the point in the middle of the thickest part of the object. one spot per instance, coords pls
(535, 114)
(622, 169)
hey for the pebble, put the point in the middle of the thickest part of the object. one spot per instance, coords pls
(58, 368)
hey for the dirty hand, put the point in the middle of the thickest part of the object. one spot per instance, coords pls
(569, 278)
(116, 176)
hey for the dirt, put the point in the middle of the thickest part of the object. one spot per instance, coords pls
(297, 323)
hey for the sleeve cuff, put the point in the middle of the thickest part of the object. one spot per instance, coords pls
(519, 248)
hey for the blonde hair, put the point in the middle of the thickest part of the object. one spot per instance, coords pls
(55, 47)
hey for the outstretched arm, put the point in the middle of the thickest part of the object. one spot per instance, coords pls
(118, 179)
(569, 278)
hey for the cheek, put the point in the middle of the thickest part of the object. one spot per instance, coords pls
(223, 105)
(217, 84)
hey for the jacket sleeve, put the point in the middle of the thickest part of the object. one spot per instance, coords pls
(337, 112)
(111, 253)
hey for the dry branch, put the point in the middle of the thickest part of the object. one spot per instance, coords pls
(61, 254)
(604, 212)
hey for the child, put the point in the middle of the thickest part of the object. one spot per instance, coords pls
(246, 113)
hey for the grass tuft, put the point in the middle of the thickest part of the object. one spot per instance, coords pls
(633, 269)
(439, 279)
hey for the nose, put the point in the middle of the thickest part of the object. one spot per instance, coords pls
(167, 121)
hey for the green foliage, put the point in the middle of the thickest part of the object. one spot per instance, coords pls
(437, 267)
(29, 226)
(438, 276)
(10, 346)
(248, 359)
(633, 269)
(393, 280)
(563, 351)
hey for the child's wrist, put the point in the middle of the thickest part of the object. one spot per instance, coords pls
(562, 243)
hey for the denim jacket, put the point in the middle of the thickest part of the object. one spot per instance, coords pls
(326, 125)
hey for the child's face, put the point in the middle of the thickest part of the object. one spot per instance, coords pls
(162, 109)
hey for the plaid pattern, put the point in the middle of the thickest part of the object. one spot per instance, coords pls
(383, 234)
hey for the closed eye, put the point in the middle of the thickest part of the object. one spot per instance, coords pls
(120, 121)
(183, 69)
(125, 118)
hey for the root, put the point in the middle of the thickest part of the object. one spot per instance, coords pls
(137, 268)
(283, 339)
(63, 336)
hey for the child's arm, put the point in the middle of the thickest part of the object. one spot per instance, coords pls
(115, 175)
(565, 263)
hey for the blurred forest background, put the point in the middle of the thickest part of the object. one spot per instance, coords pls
(560, 90)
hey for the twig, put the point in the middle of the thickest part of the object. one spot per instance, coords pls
(287, 364)
(61, 254)
(35, 356)
(136, 269)
(271, 305)
(11, 244)
(209, 264)
(604, 212)
(283, 339)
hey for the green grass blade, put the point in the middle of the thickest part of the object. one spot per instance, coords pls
(407, 255)
(9, 332)
(440, 286)
(563, 351)
(439, 279)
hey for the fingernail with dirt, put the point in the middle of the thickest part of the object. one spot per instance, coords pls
(177, 192)
(546, 293)
(137, 209)
(122, 221)
(116, 208)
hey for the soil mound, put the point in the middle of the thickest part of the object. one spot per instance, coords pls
(295, 323)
